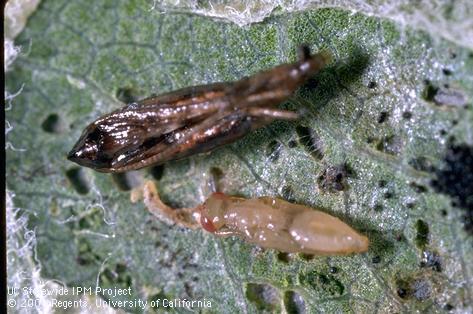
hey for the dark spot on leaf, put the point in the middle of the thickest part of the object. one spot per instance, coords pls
(443, 132)
(311, 141)
(376, 259)
(448, 307)
(127, 95)
(455, 179)
(382, 183)
(52, 124)
(372, 84)
(216, 178)
(378, 207)
(157, 172)
(419, 288)
(389, 144)
(333, 179)
(321, 282)
(273, 150)
(421, 164)
(288, 193)
(418, 188)
(127, 180)
(283, 257)
(78, 180)
(429, 91)
(312, 83)
(352, 68)
(443, 95)
(447, 71)
(307, 257)
(388, 195)
(383, 116)
(402, 293)
(406, 115)
(400, 237)
(86, 255)
(264, 297)
(431, 260)
(333, 270)
(443, 212)
(294, 303)
(292, 144)
(189, 290)
(410, 205)
(422, 236)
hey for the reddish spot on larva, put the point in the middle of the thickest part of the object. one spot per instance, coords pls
(219, 195)
(207, 224)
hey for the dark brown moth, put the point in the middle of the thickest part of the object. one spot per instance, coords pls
(191, 120)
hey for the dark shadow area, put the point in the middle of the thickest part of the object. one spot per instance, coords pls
(128, 95)
(455, 179)
(78, 179)
(322, 283)
(52, 124)
(264, 297)
(314, 94)
(334, 78)
(311, 141)
(156, 172)
(127, 180)
(294, 303)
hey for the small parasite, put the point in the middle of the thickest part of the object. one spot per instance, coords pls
(265, 221)
(192, 120)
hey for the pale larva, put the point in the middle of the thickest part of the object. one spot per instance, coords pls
(266, 221)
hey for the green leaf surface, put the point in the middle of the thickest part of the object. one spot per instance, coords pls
(383, 117)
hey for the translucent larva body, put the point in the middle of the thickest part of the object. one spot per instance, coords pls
(266, 221)
(274, 223)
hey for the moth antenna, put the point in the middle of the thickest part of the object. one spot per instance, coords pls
(303, 52)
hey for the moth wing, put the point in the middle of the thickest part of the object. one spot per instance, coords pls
(186, 94)
(219, 128)
(127, 129)
(170, 111)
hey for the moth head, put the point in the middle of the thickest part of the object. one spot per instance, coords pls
(88, 151)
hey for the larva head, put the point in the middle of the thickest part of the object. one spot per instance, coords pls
(212, 212)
